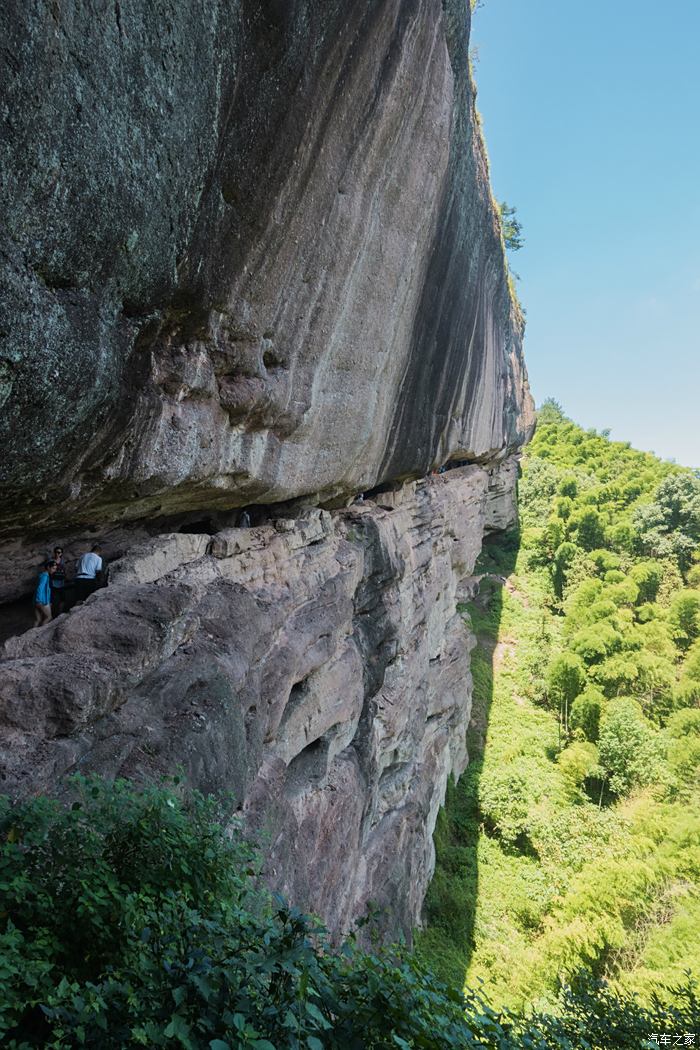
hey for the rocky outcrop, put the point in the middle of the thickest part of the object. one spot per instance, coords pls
(250, 255)
(250, 258)
(316, 668)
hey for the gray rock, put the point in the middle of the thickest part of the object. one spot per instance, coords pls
(250, 258)
(320, 675)
(250, 253)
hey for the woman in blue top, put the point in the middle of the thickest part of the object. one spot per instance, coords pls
(42, 595)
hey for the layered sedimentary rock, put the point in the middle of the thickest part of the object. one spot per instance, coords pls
(317, 668)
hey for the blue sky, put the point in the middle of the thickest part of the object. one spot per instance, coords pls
(592, 120)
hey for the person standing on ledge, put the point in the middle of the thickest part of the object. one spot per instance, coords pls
(42, 595)
(88, 572)
(58, 583)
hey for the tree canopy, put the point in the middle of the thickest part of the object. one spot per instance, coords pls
(574, 838)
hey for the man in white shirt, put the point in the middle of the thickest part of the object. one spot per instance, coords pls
(88, 573)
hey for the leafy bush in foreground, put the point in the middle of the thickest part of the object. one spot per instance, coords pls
(132, 919)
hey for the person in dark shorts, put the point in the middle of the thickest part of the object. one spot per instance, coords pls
(42, 595)
(88, 573)
(58, 583)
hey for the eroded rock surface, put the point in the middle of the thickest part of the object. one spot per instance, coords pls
(317, 668)
(249, 253)
(249, 258)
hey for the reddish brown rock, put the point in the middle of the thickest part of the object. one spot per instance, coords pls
(317, 668)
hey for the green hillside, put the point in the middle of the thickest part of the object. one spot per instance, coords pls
(573, 840)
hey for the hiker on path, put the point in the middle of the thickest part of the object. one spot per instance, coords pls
(42, 595)
(58, 583)
(88, 573)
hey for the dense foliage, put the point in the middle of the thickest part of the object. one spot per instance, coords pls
(573, 840)
(134, 920)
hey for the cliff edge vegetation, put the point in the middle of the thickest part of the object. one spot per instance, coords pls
(178, 945)
(572, 843)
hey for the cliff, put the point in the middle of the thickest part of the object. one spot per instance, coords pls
(251, 259)
(316, 668)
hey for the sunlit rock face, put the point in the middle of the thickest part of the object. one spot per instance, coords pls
(249, 253)
(249, 257)
(316, 668)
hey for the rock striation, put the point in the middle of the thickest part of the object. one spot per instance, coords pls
(316, 668)
(251, 255)
(250, 258)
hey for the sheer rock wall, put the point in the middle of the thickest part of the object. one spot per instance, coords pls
(317, 668)
(250, 256)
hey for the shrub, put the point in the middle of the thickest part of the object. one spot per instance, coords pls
(624, 593)
(687, 693)
(583, 879)
(693, 576)
(691, 667)
(684, 763)
(670, 525)
(684, 723)
(589, 527)
(132, 919)
(568, 487)
(596, 642)
(605, 560)
(647, 575)
(563, 506)
(563, 557)
(586, 711)
(578, 761)
(187, 950)
(505, 802)
(621, 537)
(627, 747)
(565, 679)
(684, 617)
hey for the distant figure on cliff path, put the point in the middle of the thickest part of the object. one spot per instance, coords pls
(58, 583)
(88, 573)
(42, 595)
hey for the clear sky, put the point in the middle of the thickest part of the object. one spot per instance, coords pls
(592, 118)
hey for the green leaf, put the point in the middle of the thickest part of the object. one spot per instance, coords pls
(218, 1044)
(314, 1012)
(179, 994)
(203, 986)
(179, 1029)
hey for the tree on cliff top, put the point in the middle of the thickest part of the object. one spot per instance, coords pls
(511, 226)
(551, 411)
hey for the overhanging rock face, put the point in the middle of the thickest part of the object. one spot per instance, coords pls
(317, 668)
(250, 254)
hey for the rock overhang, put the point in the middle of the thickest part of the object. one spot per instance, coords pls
(268, 266)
